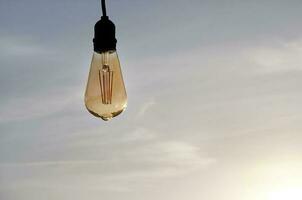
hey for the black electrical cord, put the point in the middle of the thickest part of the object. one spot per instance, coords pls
(104, 8)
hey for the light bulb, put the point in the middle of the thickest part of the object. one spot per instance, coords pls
(105, 95)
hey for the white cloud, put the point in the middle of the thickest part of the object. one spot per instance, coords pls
(144, 108)
(38, 105)
(174, 153)
(284, 56)
(18, 46)
(147, 159)
(139, 134)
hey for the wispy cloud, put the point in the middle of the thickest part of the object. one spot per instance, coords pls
(283, 56)
(150, 158)
(21, 47)
(144, 108)
(38, 105)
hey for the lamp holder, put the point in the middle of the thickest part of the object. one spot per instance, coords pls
(104, 35)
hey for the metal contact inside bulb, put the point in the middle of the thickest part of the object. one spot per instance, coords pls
(106, 84)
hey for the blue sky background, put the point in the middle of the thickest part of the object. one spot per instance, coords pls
(214, 106)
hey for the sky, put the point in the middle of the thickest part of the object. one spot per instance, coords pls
(214, 101)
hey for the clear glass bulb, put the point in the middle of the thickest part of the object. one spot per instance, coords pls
(105, 95)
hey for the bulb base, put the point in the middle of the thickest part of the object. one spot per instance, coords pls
(104, 35)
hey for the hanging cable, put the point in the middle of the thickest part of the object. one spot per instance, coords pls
(104, 8)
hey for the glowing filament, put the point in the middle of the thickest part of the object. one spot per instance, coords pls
(106, 83)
